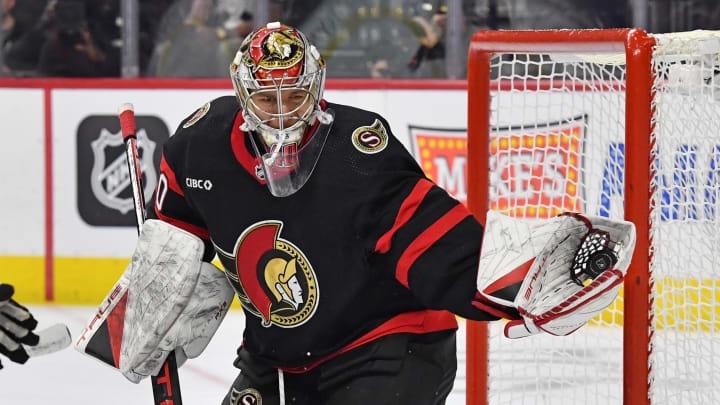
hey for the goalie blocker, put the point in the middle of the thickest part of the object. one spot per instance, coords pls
(553, 275)
(167, 299)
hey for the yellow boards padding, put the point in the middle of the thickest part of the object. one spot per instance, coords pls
(76, 280)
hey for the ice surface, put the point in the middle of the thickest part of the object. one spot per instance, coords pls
(68, 377)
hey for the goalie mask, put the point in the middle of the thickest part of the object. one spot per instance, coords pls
(279, 78)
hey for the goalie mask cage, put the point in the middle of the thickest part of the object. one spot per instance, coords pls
(616, 123)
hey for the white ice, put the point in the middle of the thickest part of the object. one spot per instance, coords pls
(68, 377)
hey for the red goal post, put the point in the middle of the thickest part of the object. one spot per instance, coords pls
(528, 87)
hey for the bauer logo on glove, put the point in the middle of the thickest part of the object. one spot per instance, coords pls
(571, 269)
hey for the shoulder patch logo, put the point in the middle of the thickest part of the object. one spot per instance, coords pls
(372, 139)
(198, 114)
(248, 396)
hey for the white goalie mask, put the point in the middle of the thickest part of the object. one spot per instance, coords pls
(279, 77)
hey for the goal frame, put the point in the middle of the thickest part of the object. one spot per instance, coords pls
(638, 47)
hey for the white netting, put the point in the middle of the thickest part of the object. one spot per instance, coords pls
(684, 220)
(557, 143)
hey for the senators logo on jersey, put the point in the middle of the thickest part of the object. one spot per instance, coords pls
(370, 139)
(272, 277)
(248, 396)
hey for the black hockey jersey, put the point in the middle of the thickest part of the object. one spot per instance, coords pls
(367, 247)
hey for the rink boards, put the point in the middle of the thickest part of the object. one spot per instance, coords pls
(67, 212)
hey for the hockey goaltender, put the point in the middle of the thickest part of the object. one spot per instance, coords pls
(350, 264)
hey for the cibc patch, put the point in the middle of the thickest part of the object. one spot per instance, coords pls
(372, 139)
(198, 114)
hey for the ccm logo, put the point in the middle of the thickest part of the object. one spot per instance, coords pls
(199, 184)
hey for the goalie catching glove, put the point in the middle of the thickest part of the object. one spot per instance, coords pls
(553, 275)
(167, 299)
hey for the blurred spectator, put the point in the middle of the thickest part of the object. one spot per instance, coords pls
(71, 48)
(431, 52)
(151, 13)
(61, 38)
(561, 14)
(23, 35)
(683, 15)
(237, 28)
(293, 12)
(198, 36)
(360, 38)
(427, 58)
(7, 21)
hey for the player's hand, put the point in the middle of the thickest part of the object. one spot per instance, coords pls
(16, 326)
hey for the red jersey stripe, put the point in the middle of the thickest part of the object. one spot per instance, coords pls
(170, 174)
(407, 209)
(491, 310)
(411, 322)
(198, 231)
(427, 239)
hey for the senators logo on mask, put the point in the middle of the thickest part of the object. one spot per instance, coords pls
(272, 277)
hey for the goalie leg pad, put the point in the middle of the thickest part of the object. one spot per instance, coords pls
(156, 291)
(194, 328)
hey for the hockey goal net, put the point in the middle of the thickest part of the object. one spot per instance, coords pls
(617, 123)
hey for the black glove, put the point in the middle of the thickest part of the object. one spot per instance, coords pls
(16, 326)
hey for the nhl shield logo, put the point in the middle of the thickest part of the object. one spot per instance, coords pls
(104, 195)
(110, 177)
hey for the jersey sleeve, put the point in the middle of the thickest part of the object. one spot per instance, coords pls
(428, 240)
(170, 205)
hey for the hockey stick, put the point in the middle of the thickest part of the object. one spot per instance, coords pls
(166, 385)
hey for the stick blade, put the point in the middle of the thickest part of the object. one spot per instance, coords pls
(52, 339)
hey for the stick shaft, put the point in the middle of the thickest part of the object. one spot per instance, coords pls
(135, 170)
(166, 385)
